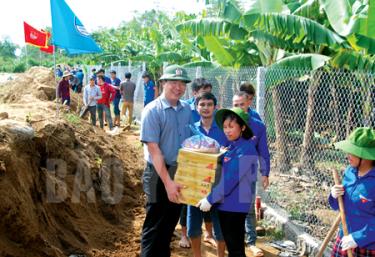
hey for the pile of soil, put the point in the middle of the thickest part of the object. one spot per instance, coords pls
(65, 187)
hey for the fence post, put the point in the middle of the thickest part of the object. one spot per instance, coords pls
(129, 66)
(198, 72)
(260, 91)
(119, 71)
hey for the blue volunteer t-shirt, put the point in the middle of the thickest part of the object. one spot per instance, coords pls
(116, 82)
(194, 112)
(80, 76)
(254, 114)
(261, 145)
(215, 132)
(149, 92)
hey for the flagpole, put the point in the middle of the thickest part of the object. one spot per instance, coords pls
(40, 58)
(57, 85)
(27, 58)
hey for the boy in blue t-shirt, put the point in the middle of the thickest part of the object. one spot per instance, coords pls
(198, 86)
(151, 91)
(206, 106)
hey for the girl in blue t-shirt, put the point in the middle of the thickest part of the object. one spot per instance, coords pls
(232, 196)
(358, 191)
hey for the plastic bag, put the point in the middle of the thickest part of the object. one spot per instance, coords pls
(201, 143)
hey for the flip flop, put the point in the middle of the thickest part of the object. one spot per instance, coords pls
(184, 242)
(210, 240)
(257, 252)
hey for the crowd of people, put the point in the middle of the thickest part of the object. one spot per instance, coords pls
(228, 209)
(99, 95)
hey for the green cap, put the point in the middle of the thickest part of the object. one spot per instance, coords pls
(244, 116)
(360, 143)
(175, 72)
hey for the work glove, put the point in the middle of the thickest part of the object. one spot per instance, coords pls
(337, 190)
(204, 205)
(347, 242)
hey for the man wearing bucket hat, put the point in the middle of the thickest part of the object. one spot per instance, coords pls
(358, 191)
(233, 195)
(164, 126)
(63, 90)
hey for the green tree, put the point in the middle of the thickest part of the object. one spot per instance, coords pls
(8, 48)
(294, 35)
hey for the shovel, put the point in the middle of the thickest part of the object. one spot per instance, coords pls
(328, 237)
(342, 209)
(84, 109)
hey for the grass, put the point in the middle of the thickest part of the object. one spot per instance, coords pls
(323, 165)
(98, 162)
(272, 233)
(275, 234)
(73, 119)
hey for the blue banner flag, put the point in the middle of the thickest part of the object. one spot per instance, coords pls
(68, 31)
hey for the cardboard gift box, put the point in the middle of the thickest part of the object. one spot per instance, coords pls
(197, 172)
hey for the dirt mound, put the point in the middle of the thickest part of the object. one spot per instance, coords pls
(65, 187)
(37, 82)
(65, 190)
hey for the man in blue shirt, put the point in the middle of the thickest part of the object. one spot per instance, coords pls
(115, 82)
(151, 91)
(164, 126)
(206, 105)
(93, 74)
(240, 100)
(198, 86)
(58, 71)
(80, 76)
(250, 91)
(101, 72)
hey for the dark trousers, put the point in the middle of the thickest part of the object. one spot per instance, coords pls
(160, 222)
(233, 228)
(116, 109)
(92, 110)
(104, 108)
(183, 215)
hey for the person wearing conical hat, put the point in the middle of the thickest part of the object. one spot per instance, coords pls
(63, 90)
(233, 195)
(358, 191)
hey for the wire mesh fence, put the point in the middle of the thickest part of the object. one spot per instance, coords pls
(304, 117)
(305, 113)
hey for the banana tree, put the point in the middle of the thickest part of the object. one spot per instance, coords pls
(280, 33)
(354, 20)
(263, 26)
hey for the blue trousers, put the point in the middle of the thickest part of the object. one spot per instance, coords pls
(116, 109)
(250, 223)
(195, 219)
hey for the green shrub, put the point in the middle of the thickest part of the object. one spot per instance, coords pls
(20, 67)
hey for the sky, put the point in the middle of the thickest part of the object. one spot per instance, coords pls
(92, 13)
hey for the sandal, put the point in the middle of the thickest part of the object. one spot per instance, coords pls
(210, 240)
(257, 252)
(184, 242)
